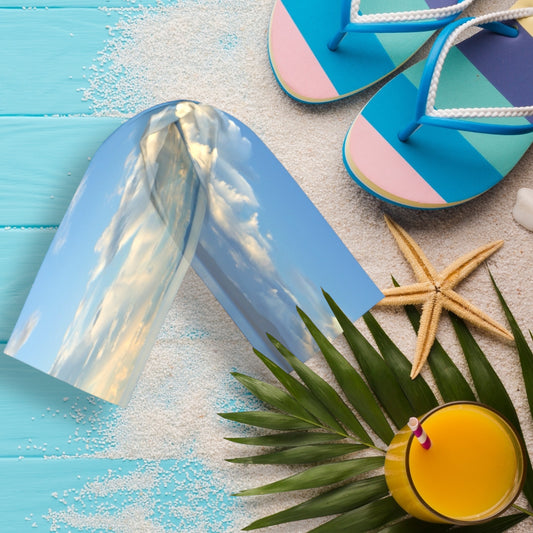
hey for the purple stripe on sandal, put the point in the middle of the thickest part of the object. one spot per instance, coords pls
(440, 3)
(507, 62)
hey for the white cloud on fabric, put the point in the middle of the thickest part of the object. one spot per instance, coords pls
(63, 231)
(136, 264)
(22, 333)
(237, 221)
(136, 255)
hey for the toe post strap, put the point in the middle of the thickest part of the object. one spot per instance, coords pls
(352, 20)
(465, 118)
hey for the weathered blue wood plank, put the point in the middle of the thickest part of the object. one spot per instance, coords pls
(42, 160)
(78, 494)
(21, 4)
(42, 416)
(46, 58)
(37, 487)
(21, 254)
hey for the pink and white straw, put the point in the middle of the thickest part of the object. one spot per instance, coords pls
(419, 433)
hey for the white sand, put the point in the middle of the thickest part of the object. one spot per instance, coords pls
(215, 52)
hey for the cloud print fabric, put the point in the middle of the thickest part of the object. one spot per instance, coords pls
(181, 183)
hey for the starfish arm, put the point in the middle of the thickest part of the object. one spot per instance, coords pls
(416, 293)
(422, 268)
(464, 309)
(466, 264)
(426, 334)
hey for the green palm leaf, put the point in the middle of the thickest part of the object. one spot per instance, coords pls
(268, 420)
(312, 453)
(319, 476)
(336, 501)
(353, 386)
(452, 385)
(325, 393)
(365, 518)
(378, 374)
(413, 525)
(303, 395)
(498, 525)
(275, 397)
(524, 351)
(489, 387)
(295, 438)
(418, 393)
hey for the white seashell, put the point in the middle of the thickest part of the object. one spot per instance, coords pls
(523, 208)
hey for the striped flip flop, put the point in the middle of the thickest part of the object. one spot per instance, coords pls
(448, 129)
(323, 50)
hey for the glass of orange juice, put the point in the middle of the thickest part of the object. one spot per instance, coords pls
(473, 470)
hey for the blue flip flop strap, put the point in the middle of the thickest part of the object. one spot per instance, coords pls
(398, 27)
(425, 83)
(384, 27)
(390, 27)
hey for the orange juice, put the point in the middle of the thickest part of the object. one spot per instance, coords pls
(473, 470)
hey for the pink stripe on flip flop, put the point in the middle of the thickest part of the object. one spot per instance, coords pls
(383, 167)
(295, 64)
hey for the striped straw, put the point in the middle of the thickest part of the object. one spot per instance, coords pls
(419, 433)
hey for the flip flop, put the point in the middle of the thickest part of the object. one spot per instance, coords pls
(324, 50)
(448, 129)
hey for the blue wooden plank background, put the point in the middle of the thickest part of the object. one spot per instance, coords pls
(51, 434)
(48, 54)
(43, 160)
(50, 4)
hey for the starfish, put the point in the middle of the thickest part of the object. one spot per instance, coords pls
(435, 291)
